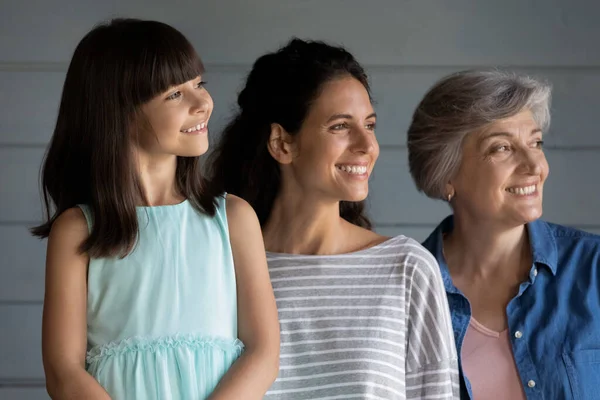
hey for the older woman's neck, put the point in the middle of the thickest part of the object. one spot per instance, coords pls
(480, 250)
(301, 225)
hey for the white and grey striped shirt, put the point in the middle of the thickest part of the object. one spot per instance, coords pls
(372, 324)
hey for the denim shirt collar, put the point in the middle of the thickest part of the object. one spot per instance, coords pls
(541, 239)
(435, 244)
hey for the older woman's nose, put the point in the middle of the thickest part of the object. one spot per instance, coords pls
(532, 160)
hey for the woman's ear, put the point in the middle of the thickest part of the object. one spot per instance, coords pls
(280, 144)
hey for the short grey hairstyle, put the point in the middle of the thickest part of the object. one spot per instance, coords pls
(458, 105)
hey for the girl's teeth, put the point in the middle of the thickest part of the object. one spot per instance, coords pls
(195, 128)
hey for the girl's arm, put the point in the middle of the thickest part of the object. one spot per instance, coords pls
(64, 328)
(258, 326)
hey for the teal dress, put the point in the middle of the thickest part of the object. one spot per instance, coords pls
(162, 322)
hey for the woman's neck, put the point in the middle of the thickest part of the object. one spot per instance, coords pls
(298, 225)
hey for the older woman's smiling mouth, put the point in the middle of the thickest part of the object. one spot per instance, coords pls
(523, 190)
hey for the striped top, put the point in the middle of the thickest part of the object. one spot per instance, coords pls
(373, 324)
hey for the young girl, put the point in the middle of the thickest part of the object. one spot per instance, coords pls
(150, 279)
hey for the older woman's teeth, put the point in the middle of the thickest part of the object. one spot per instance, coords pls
(353, 169)
(195, 128)
(522, 191)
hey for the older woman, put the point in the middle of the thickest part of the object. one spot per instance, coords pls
(524, 294)
(362, 316)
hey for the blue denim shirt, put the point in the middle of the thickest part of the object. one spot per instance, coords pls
(556, 312)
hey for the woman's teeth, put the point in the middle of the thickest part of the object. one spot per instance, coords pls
(353, 169)
(522, 191)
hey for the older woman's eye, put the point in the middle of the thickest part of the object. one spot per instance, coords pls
(501, 149)
(539, 144)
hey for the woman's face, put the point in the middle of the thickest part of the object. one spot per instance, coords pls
(336, 149)
(502, 174)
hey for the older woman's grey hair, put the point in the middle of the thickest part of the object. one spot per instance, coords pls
(458, 105)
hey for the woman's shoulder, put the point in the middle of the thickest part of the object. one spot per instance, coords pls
(367, 240)
(546, 236)
(564, 245)
(562, 231)
(406, 247)
(404, 252)
(409, 258)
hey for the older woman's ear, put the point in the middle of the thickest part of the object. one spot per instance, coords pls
(449, 192)
(280, 144)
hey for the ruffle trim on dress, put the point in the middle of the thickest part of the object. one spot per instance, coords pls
(151, 345)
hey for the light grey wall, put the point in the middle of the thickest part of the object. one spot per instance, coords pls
(405, 45)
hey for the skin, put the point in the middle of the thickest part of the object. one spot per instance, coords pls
(155, 148)
(488, 252)
(338, 132)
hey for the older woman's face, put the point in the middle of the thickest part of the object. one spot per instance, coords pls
(502, 174)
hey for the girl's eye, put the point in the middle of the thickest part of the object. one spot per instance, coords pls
(178, 93)
(174, 96)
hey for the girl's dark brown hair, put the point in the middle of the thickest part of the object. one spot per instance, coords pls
(116, 68)
(280, 88)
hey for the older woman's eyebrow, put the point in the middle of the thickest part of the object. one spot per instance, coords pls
(348, 116)
(536, 130)
(504, 134)
(484, 138)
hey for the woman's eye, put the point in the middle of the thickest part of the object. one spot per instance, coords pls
(174, 96)
(501, 149)
(371, 126)
(339, 127)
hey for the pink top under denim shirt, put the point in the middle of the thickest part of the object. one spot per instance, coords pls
(553, 321)
(488, 361)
